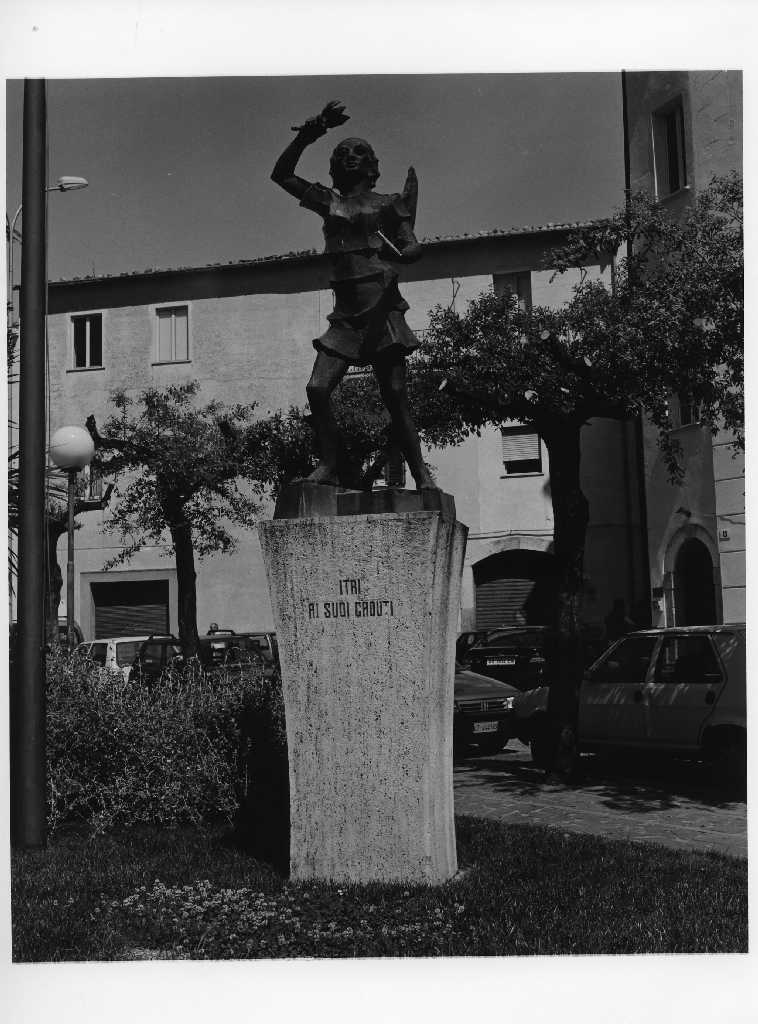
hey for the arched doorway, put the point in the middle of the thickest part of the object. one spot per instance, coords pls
(694, 590)
(513, 588)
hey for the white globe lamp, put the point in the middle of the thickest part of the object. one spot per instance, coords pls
(71, 449)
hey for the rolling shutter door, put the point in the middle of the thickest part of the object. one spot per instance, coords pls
(498, 601)
(130, 608)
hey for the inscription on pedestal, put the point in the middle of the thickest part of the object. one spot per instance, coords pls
(354, 607)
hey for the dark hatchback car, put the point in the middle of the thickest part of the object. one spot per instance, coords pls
(154, 656)
(483, 712)
(218, 652)
(517, 655)
(225, 649)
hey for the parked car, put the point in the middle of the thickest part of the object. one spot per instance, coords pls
(225, 648)
(516, 655)
(62, 635)
(483, 712)
(154, 655)
(678, 690)
(466, 640)
(220, 650)
(520, 655)
(116, 653)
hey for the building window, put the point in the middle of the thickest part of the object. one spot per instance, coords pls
(173, 335)
(522, 450)
(686, 411)
(89, 484)
(393, 471)
(682, 410)
(519, 285)
(88, 341)
(668, 149)
(94, 484)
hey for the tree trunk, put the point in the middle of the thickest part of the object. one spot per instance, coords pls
(54, 580)
(570, 518)
(56, 525)
(186, 579)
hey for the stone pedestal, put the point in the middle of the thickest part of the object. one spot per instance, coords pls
(365, 609)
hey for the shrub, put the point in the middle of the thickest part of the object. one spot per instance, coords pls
(177, 753)
(262, 824)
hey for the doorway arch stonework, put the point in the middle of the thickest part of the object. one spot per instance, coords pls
(674, 612)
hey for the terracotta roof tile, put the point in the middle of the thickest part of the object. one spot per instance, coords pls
(305, 254)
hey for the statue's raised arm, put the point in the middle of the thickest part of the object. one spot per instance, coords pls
(283, 173)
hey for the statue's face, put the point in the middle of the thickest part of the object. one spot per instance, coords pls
(353, 159)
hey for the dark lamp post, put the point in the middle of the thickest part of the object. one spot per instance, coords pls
(71, 449)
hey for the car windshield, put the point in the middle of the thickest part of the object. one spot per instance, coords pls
(153, 653)
(256, 645)
(235, 649)
(517, 638)
(126, 652)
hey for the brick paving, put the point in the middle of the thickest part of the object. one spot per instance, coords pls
(676, 805)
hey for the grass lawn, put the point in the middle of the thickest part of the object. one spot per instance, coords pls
(524, 890)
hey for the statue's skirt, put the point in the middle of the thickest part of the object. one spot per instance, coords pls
(368, 320)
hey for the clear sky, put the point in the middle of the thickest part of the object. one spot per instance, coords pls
(179, 167)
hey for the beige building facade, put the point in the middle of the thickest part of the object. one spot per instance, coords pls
(684, 128)
(245, 331)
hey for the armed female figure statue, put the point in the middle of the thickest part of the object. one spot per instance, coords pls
(365, 234)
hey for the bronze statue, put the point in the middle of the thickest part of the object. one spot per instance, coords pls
(365, 233)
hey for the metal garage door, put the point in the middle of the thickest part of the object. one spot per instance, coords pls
(130, 608)
(499, 600)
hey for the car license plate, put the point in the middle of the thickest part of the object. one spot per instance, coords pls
(485, 726)
(501, 661)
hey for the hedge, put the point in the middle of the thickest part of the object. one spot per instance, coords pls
(182, 752)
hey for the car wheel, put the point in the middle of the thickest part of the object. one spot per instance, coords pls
(730, 760)
(542, 747)
(492, 746)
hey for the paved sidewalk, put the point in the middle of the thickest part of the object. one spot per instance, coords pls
(675, 805)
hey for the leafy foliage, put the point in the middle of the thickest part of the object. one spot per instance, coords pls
(194, 471)
(175, 464)
(120, 754)
(672, 322)
(675, 315)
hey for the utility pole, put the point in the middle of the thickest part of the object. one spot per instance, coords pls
(27, 696)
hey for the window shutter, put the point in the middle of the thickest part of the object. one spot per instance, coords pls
(180, 326)
(164, 336)
(95, 340)
(520, 446)
(80, 341)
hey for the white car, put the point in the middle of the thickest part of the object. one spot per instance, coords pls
(116, 653)
(677, 690)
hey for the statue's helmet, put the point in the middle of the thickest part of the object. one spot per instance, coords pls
(352, 154)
